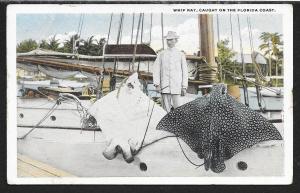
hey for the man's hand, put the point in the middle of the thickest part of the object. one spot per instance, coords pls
(157, 87)
(183, 91)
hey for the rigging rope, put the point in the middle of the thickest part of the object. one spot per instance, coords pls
(133, 16)
(118, 40)
(218, 26)
(150, 29)
(231, 32)
(241, 45)
(108, 34)
(246, 99)
(142, 30)
(258, 74)
(136, 40)
(41, 121)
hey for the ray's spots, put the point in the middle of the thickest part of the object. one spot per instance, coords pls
(217, 127)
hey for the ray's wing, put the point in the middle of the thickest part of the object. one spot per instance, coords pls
(218, 127)
(188, 121)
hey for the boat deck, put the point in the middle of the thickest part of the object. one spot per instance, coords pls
(28, 167)
(80, 153)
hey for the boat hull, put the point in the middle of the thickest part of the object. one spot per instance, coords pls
(31, 111)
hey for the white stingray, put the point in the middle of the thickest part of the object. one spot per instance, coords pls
(123, 116)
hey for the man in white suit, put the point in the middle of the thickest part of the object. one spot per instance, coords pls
(170, 74)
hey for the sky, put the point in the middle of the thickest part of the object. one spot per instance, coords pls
(44, 26)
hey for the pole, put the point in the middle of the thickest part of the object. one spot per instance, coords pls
(206, 41)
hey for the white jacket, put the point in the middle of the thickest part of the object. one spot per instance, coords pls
(170, 71)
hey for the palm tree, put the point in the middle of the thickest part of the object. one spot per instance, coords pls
(88, 47)
(69, 45)
(26, 46)
(225, 58)
(53, 43)
(272, 46)
(44, 44)
(99, 45)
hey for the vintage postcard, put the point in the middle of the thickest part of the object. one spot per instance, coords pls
(150, 94)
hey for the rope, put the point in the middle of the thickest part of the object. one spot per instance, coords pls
(133, 16)
(258, 75)
(83, 112)
(189, 160)
(231, 32)
(218, 28)
(41, 121)
(108, 34)
(136, 40)
(246, 99)
(241, 45)
(142, 30)
(118, 40)
(151, 15)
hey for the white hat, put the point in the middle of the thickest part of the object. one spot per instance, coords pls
(171, 35)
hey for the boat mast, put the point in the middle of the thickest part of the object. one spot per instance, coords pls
(206, 41)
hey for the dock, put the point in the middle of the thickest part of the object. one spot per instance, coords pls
(28, 167)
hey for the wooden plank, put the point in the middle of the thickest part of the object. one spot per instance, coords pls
(28, 170)
(34, 168)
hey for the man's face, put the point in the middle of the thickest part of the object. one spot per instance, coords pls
(171, 42)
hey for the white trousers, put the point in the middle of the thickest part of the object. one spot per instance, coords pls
(171, 100)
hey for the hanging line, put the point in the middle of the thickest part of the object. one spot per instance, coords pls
(103, 51)
(121, 30)
(108, 34)
(151, 15)
(136, 40)
(133, 16)
(257, 70)
(142, 31)
(246, 98)
(231, 32)
(218, 28)
(77, 32)
(131, 38)
(118, 39)
(162, 29)
(241, 45)
(80, 30)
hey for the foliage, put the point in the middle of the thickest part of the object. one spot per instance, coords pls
(99, 45)
(91, 46)
(225, 54)
(225, 58)
(26, 46)
(68, 44)
(87, 47)
(53, 43)
(272, 48)
(44, 45)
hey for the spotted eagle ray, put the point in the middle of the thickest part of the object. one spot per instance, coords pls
(217, 127)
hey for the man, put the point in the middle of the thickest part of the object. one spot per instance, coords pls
(170, 75)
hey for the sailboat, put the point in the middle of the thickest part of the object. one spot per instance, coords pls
(61, 141)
